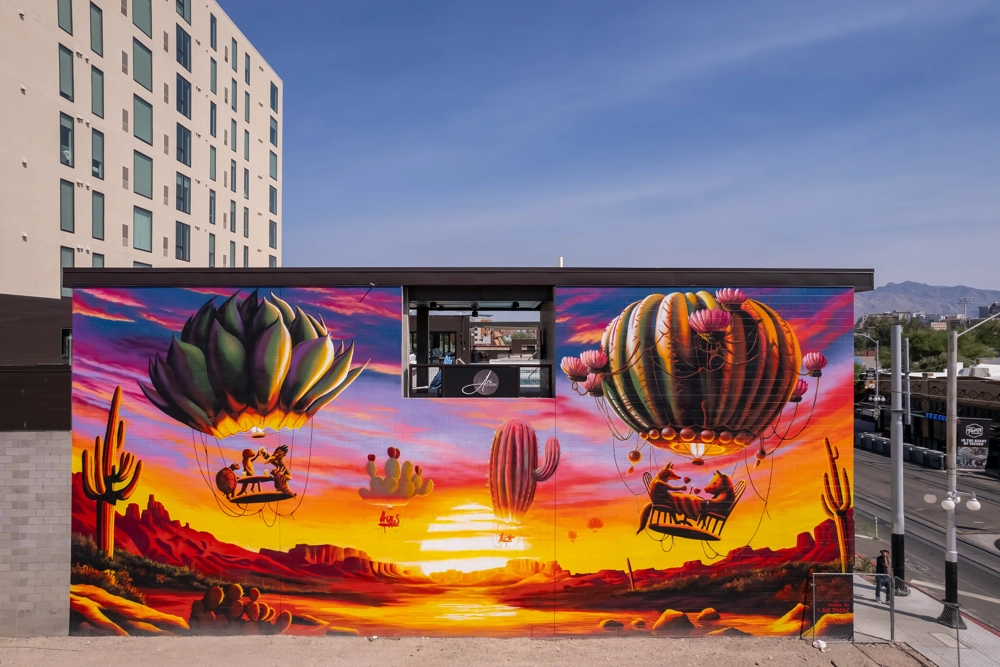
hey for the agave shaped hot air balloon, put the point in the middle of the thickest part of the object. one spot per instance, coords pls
(595, 523)
(249, 365)
(594, 360)
(513, 473)
(814, 362)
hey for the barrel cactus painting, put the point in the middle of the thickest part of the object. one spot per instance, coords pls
(513, 473)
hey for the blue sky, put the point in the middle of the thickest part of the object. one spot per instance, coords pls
(846, 134)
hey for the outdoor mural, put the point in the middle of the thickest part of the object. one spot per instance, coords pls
(245, 463)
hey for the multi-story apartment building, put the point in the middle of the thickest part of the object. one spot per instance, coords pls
(136, 133)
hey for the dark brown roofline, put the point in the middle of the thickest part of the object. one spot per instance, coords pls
(861, 280)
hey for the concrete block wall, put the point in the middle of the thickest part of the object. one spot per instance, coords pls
(35, 492)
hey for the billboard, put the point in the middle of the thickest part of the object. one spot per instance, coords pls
(973, 443)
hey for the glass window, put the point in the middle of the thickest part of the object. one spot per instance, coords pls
(184, 9)
(96, 30)
(67, 208)
(272, 234)
(246, 257)
(96, 92)
(232, 216)
(211, 162)
(246, 145)
(97, 215)
(66, 258)
(182, 241)
(142, 229)
(274, 98)
(246, 222)
(65, 72)
(246, 68)
(246, 107)
(246, 184)
(141, 265)
(212, 74)
(212, 117)
(142, 119)
(97, 153)
(183, 96)
(274, 165)
(274, 133)
(234, 56)
(183, 193)
(272, 200)
(66, 15)
(272, 261)
(142, 174)
(97, 260)
(142, 16)
(233, 91)
(211, 207)
(232, 135)
(142, 65)
(232, 175)
(183, 145)
(183, 48)
(232, 253)
(213, 32)
(66, 142)
(211, 250)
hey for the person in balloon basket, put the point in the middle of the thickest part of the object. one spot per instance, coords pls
(882, 575)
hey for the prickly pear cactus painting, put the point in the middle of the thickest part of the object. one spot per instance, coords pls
(246, 463)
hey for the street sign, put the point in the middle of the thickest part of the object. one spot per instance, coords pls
(973, 443)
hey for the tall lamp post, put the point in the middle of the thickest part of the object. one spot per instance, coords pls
(896, 425)
(950, 615)
(877, 365)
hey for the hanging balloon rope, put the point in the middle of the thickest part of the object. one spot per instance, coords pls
(305, 485)
(812, 411)
(761, 519)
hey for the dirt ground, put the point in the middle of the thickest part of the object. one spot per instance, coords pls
(307, 651)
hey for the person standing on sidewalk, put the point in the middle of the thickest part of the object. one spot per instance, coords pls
(882, 575)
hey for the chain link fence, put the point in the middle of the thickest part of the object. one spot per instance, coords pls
(845, 609)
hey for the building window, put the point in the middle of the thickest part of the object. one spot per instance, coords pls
(67, 207)
(274, 98)
(212, 117)
(142, 229)
(97, 215)
(246, 256)
(232, 175)
(234, 56)
(183, 193)
(142, 174)
(232, 216)
(65, 72)
(246, 68)
(97, 260)
(211, 162)
(183, 96)
(182, 243)
(246, 107)
(141, 265)
(232, 135)
(142, 65)
(124, 63)
(272, 234)
(211, 207)
(66, 142)
(183, 145)
(142, 119)
(125, 177)
(246, 145)
(96, 30)
(184, 10)
(97, 154)
(233, 90)
(66, 258)
(66, 15)
(273, 166)
(232, 254)
(211, 251)
(183, 47)
(246, 222)
(212, 75)
(272, 200)
(213, 32)
(142, 16)
(274, 133)
(272, 261)
(96, 92)
(246, 184)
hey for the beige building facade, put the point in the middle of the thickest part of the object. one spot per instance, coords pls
(135, 133)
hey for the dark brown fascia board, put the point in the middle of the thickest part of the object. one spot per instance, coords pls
(861, 280)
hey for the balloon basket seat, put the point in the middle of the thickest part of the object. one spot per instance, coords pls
(665, 521)
(260, 497)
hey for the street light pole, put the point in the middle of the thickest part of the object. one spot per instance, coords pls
(878, 403)
(896, 426)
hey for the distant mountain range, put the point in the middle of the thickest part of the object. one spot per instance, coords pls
(913, 297)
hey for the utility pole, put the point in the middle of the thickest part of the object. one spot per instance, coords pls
(964, 302)
(906, 369)
(898, 526)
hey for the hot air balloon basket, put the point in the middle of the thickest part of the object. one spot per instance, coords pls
(708, 528)
(261, 497)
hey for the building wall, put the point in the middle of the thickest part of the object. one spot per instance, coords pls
(30, 169)
(538, 521)
(34, 532)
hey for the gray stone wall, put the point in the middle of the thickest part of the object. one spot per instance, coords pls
(35, 493)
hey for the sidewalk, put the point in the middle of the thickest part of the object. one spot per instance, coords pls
(916, 626)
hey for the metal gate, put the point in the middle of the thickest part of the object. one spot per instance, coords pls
(844, 608)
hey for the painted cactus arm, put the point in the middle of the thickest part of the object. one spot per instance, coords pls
(548, 467)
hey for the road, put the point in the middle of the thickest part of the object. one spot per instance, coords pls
(978, 534)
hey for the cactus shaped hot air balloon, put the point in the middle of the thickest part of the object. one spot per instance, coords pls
(399, 485)
(249, 365)
(513, 473)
